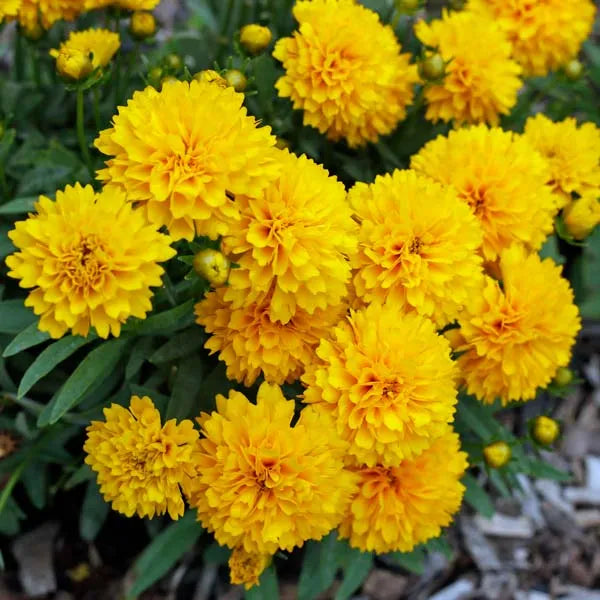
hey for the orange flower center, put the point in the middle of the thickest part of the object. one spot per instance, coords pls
(85, 263)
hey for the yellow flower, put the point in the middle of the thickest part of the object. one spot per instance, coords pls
(73, 56)
(142, 24)
(345, 70)
(9, 9)
(250, 343)
(294, 240)
(418, 245)
(181, 151)
(546, 34)
(581, 216)
(518, 334)
(397, 508)
(255, 38)
(32, 13)
(387, 380)
(91, 260)
(263, 485)
(481, 80)
(572, 153)
(501, 177)
(141, 463)
(125, 4)
(246, 567)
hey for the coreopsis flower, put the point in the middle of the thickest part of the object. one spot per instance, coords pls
(516, 335)
(263, 485)
(574, 165)
(91, 260)
(344, 69)
(33, 13)
(251, 344)
(140, 462)
(501, 177)
(293, 240)
(387, 380)
(397, 508)
(481, 79)
(124, 4)
(417, 245)
(246, 567)
(544, 35)
(100, 45)
(181, 151)
(582, 216)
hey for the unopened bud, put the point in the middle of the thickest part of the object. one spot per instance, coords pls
(496, 455)
(173, 62)
(408, 7)
(563, 377)
(142, 25)
(213, 265)
(73, 64)
(255, 38)
(581, 216)
(544, 430)
(432, 67)
(168, 80)
(573, 69)
(155, 76)
(236, 79)
(210, 76)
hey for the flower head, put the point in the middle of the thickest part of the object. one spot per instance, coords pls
(518, 334)
(345, 70)
(125, 4)
(387, 380)
(481, 80)
(141, 463)
(418, 245)
(246, 567)
(95, 45)
(32, 13)
(250, 343)
(9, 9)
(180, 152)
(263, 485)
(574, 166)
(582, 215)
(293, 241)
(501, 177)
(544, 35)
(397, 508)
(91, 260)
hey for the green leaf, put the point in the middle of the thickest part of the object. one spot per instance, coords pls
(440, 544)
(34, 479)
(18, 206)
(185, 389)
(216, 554)
(29, 337)
(1, 561)
(180, 345)
(267, 587)
(543, 470)
(10, 518)
(357, 567)
(477, 497)
(97, 365)
(83, 473)
(477, 417)
(165, 322)
(48, 359)
(93, 512)
(411, 561)
(163, 552)
(15, 316)
(265, 75)
(321, 562)
(139, 354)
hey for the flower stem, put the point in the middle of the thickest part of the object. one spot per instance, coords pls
(85, 152)
(117, 59)
(97, 107)
(19, 56)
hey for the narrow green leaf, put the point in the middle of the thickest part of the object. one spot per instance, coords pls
(48, 359)
(265, 75)
(27, 338)
(83, 473)
(18, 206)
(180, 345)
(139, 354)
(411, 561)
(477, 417)
(15, 316)
(185, 389)
(93, 512)
(1, 561)
(321, 562)
(356, 569)
(543, 470)
(267, 588)
(96, 365)
(441, 545)
(34, 479)
(163, 552)
(165, 322)
(477, 497)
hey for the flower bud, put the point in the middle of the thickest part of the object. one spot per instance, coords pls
(142, 25)
(581, 216)
(408, 7)
(173, 62)
(432, 67)
(246, 568)
(544, 430)
(236, 79)
(563, 377)
(210, 76)
(573, 69)
(168, 79)
(497, 455)
(255, 38)
(73, 64)
(213, 265)
(155, 76)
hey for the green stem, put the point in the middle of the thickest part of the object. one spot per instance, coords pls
(3, 183)
(35, 65)
(96, 93)
(19, 56)
(85, 152)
